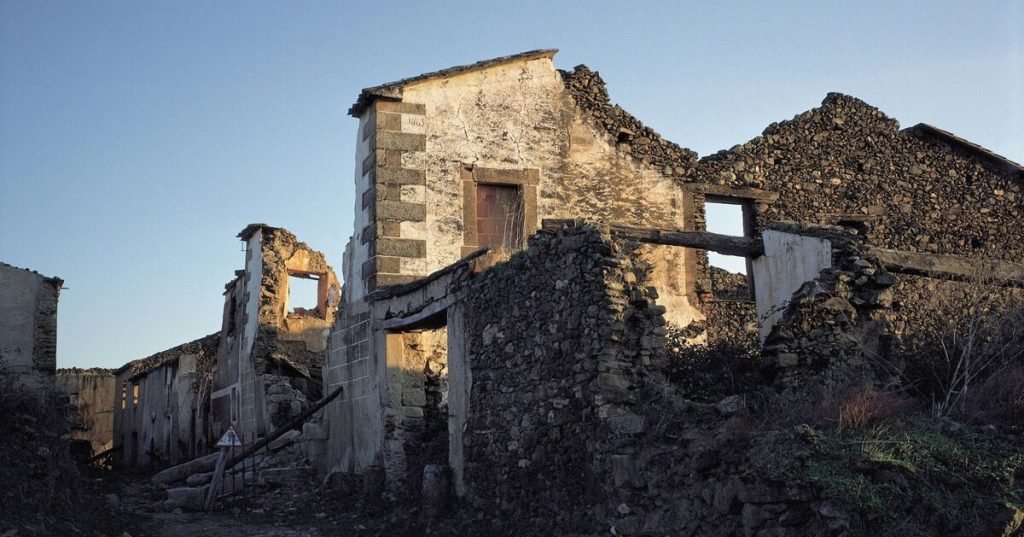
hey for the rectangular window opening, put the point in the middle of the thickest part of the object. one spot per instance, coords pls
(499, 218)
(730, 275)
(303, 294)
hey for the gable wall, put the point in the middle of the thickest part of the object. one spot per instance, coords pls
(848, 158)
(489, 125)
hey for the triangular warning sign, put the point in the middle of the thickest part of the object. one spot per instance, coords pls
(230, 439)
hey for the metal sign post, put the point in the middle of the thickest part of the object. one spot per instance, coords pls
(229, 440)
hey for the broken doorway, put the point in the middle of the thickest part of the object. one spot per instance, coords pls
(418, 381)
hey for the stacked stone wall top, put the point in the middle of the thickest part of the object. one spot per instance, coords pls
(848, 161)
(832, 331)
(632, 136)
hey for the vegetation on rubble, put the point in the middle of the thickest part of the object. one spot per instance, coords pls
(707, 373)
(42, 488)
(914, 475)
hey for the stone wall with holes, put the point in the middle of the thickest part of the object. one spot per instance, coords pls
(843, 162)
(846, 160)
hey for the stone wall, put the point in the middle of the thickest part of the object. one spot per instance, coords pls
(513, 123)
(91, 392)
(28, 324)
(559, 338)
(161, 406)
(574, 429)
(915, 299)
(847, 161)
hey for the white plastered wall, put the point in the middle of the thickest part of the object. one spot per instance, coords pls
(788, 262)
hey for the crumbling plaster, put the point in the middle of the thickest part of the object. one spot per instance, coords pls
(254, 371)
(789, 260)
(92, 393)
(519, 116)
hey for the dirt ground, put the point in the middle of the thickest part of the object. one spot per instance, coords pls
(302, 509)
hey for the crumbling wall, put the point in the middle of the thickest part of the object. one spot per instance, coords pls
(573, 427)
(558, 339)
(91, 393)
(291, 344)
(283, 254)
(833, 331)
(160, 406)
(270, 358)
(844, 162)
(847, 160)
(28, 324)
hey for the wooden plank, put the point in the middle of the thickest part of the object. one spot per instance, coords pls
(714, 242)
(951, 267)
(755, 194)
(218, 478)
(294, 422)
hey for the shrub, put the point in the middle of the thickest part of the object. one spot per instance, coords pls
(866, 406)
(999, 400)
(968, 332)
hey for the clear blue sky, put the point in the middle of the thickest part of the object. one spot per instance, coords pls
(137, 138)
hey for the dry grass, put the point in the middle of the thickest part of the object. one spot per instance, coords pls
(998, 400)
(866, 406)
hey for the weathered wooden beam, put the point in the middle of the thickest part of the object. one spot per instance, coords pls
(294, 422)
(740, 194)
(714, 242)
(954, 267)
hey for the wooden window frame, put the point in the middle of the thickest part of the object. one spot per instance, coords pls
(525, 179)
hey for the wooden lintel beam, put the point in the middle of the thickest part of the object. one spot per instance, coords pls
(740, 194)
(714, 242)
(954, 267)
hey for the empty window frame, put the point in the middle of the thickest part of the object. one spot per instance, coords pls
(303, 293)
(730, 275)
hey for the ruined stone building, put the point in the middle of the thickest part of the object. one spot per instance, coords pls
(526, 379)
(258, 371)
(272, 350)
(91, 393)
(160, 413)
(28, 325)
